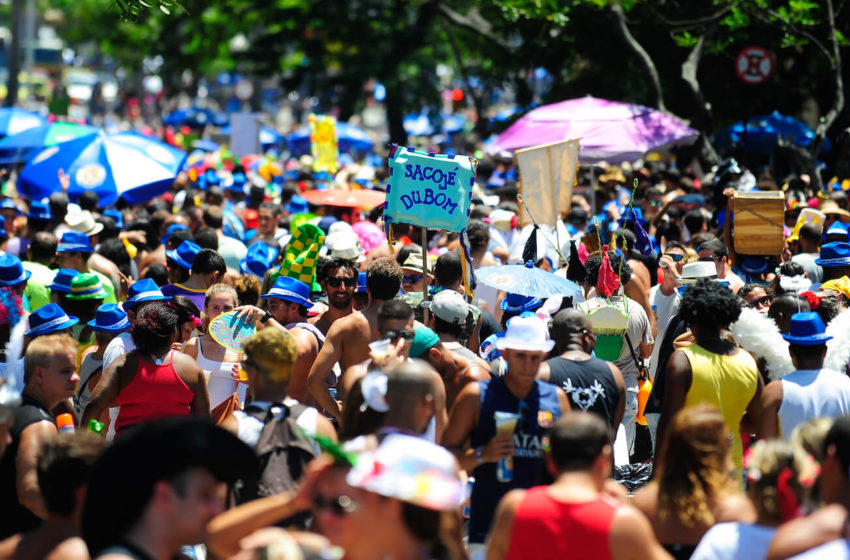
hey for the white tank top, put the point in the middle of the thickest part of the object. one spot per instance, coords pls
(811, 393)
(220, 382)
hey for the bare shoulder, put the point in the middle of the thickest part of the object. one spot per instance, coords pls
(73, 548)
(344, 326)
(646, 499)
(735, 507)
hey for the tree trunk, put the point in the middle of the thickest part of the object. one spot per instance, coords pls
(838, 100)
(622, 29)
(14, 54)
(395, 112)
(700, 115)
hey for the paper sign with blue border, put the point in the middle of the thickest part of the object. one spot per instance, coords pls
(429, 190)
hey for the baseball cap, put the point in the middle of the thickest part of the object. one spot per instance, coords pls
(449, 306)
(423, 340)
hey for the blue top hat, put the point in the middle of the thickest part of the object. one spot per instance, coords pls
(515, 303)
(258, 260)
(141, 291)
(834, 254)
(290, 289)
(297, 205)
(39, 211)
(49, 319)
(74, 242)
(184, 255)
(8, 204)
(62, 280)
(807, 329)
(361, 283)
(116, 216)
(171, 229)
(109, 318)
(12, 272)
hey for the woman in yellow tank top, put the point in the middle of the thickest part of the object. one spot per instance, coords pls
(713, 370)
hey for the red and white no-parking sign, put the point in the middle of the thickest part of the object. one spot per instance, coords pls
(754, 65)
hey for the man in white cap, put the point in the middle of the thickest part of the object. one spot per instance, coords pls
(535, 406)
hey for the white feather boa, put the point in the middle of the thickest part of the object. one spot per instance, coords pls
(838, 349)
(759, 335)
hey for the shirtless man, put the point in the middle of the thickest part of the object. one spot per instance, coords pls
(455, 369)
(340, 283)
(348, 338)
(288, 301)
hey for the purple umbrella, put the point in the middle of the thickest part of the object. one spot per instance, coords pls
(609, 130)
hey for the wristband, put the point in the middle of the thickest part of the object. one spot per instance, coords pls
(266, 317)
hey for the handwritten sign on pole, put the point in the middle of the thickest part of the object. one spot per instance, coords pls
(429, 190)
(323, 143)
(547, 176)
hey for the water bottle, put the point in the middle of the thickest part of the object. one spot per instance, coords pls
(65, 423)
(95, 427)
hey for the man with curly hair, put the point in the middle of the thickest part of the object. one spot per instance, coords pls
(713, 370)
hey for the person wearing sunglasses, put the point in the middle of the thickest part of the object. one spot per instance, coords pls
(715, 251)
(755, 296)
(339, 281)
(414, 278)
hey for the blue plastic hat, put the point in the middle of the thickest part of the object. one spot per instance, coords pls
(290, 289)
(298, 205)
(49, 319)
(110, 318)
(171, 229)
(834, 254)
(39, 211)
(515, 303)
(74, 242)
(12, 272)
(141, 291)
(116, 216)
(62, 281)
(258, 260)
(807, 329)
(184, 255)
(9, 204)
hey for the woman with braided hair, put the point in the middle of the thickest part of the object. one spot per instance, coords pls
(152, 381)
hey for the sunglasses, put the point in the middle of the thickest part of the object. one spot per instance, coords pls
(395, 335)
(675, 256)
(656, 203)
(764, 300)
(339, 506)
(336, 282)
(709, 259)
(411, 278)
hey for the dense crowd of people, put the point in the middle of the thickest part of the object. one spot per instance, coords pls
(684, 399)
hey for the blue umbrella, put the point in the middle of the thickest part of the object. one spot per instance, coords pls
(195, 117)
(125, 164)
(348, 138)
(526, 280)
(761, 134)
(269, 137)
(21, 146)
(14, 120)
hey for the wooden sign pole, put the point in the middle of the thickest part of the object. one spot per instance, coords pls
(425, 274)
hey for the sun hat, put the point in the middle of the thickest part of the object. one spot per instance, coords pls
(142, 291)
(838, 229)
(74, 242)
(516, 303)
(83, 222)
(39, 210)
(258, 259)
(109, 318)
(423, 340)
(832, 207)
(297, 205)
(344, 246)
(413, 262)
(9, 204)
(62, 281)
(116, 216)
(412, 470)
(49, 319)
(86, 286)
(526, 333)
(290, 289)
(184, 255)
(449, 306)
(834, 254)
(171, 229)
(12, 272)
(807, 329)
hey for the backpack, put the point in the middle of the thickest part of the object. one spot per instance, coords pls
(283, 451)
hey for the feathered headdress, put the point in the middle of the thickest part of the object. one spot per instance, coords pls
(759, 335)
